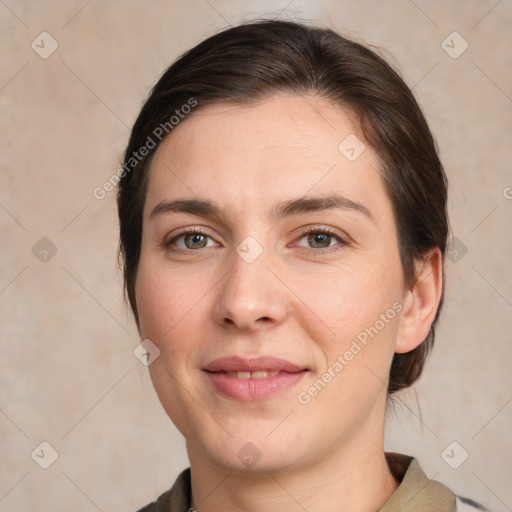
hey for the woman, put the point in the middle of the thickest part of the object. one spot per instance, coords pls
(283, 226)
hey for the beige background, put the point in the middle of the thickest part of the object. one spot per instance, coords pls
(68, 374)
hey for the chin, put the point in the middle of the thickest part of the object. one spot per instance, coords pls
(253, 453)
(251, 461)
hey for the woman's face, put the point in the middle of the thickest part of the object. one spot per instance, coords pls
(263, 271)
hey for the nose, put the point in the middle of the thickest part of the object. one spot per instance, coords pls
(251, 297)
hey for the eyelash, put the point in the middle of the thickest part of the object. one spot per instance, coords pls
(343, 241)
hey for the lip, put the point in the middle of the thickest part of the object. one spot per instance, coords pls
(253, 389)
(252, 364)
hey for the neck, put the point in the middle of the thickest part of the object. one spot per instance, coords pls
(357, 479)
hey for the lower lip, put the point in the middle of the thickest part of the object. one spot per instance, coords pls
(254, 389)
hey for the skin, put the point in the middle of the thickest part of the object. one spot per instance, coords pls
(298, 300)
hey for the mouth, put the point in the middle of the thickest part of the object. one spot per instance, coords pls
(252, 379)
(259, 374)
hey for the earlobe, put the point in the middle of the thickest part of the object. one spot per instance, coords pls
(421, 302)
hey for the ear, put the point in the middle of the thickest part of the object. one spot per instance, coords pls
(421, 302)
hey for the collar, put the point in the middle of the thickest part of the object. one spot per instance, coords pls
(416, 492)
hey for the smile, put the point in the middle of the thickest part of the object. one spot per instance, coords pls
(260, 374)
(250, 379)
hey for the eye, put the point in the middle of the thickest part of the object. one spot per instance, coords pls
(317, 238)
(189, 240)
(322, 238)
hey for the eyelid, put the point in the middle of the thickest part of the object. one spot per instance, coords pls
(344, 239)
(318, 228)
(201, 230)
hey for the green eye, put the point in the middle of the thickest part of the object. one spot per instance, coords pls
(319, 238)
(189, 240)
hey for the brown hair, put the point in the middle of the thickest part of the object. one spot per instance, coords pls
(253, 60)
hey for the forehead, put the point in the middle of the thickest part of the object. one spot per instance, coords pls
(280, 124)
(279, 147)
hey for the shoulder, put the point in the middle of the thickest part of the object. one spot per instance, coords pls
(467, 505)
(165, 503)
(176, 499)
(152, 507)
(162, 504)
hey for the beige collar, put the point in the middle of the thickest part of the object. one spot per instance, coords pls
(416, 492)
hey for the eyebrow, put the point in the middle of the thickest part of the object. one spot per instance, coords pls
(299, 206)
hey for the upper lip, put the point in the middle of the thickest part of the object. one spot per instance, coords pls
(252, 364)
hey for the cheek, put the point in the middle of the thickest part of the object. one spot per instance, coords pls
(347, 301)
(173, 307)
(152, 304)
(168, 315)
(164, 299)
(361, 309)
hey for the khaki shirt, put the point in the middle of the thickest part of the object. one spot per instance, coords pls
(416, 492)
